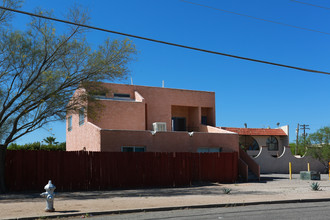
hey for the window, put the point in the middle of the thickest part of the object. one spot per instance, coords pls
(248, 143)
(98, 93)
(81, 116)
(121, 95)
(204, 120)
(272, 143)
(179, 124)
(69, 123)
(209, 150)
(133, 149)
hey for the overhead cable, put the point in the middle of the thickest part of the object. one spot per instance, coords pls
(253, 17)
(305, 3)
(164, 42)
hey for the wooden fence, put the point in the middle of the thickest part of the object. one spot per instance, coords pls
(31, 170)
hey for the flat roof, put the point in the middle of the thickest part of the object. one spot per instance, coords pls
(155, 87)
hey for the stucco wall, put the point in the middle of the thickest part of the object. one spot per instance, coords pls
(113, 140)
(282, 141)
(124, 122)
(190, 113)
(159, 102)
(208, 112)
(270, 164)
(123, 115)
(86, 135)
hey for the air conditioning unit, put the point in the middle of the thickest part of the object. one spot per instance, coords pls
(159, 126)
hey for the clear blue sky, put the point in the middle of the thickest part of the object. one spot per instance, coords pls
(257, 94)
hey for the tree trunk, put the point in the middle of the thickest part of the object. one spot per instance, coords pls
(3, 150)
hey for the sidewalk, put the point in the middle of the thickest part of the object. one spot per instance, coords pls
(272, 188)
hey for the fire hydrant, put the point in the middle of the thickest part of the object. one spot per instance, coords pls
(49, 194)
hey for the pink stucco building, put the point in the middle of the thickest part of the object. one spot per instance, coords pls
(152, 119)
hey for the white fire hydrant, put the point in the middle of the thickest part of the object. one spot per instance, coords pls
(49, 194)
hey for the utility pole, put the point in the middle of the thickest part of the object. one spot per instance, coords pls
(304, 127)
(297, 140)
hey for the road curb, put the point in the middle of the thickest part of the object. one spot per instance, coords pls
(128, 211)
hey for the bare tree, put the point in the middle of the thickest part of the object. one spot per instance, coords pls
(40, 70)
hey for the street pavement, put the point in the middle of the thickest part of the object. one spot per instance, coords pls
(272, 189)
(292, 211)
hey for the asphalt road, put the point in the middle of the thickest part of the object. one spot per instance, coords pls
(317, 210)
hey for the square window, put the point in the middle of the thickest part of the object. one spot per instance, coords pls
(121, 95)
(127, 149)
(209, 150)
(204, 120)
(81, 116)
(139, 149)
(69, 123)
(133, 149)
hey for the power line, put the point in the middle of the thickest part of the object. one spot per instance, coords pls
(164, 42)
(261, 19)
(304, 127)
(305, 3)
(297, 140)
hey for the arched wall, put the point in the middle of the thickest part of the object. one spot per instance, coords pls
(282, 142)
(270, 164)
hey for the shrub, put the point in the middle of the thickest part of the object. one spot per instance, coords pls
(315, 186)
(38, 146)
(226, 190)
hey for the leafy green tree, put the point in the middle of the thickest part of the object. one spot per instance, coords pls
(40, 69)
(50, 140)
(319, 147)
(302, 146)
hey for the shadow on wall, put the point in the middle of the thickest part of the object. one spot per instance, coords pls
(270, 164)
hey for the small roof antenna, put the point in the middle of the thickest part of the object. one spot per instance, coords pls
(131, 81)
(163, 84)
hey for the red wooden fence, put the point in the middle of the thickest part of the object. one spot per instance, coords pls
(31, 170)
